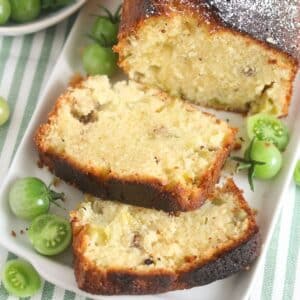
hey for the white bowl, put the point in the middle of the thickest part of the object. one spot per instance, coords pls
(42, 22)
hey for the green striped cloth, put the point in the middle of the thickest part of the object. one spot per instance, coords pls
(25, 65)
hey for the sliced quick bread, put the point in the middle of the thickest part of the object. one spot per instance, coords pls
(232, 55)
(124, 249)
(134, 144)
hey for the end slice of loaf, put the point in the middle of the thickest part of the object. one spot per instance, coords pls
(122, 141)
(124, 249)
(186, 49)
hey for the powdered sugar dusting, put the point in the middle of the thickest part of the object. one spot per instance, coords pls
(153, 7)
(150, 8)
(274, 21)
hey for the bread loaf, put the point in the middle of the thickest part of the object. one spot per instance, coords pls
(134, 144)
(124, 249)
(234, 55)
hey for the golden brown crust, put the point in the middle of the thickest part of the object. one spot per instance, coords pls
(225, 262)
(290, 93)
(274, 22)
(128, 189)
(136, 12)
(116, 282)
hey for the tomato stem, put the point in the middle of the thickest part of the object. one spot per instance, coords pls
(54, 196)
(250, 177)
(104, 43)
(114, 18)
(118, 13)
(249, 164)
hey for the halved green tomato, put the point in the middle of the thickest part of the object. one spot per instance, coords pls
(268, 128)
(20, 278)
(50, 234)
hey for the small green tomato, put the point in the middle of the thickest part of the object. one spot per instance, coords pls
(5, 11)
(99, 60)
(25, 10)
(20, 278)
(268, 154)
(29, 197)
(297, 173)
(4, 111)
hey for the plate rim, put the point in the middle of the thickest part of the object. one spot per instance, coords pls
(44, 22)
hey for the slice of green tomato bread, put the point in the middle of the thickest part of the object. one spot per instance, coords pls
(125, 141)
(124, 249)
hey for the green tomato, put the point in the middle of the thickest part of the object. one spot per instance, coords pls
(4, 110)
(50, 234)
(105, 31)
(25, 10)
(297, 173)
(55, 4)
(29, 197)
(20, 278)
(267, 153)
(265, 127)
(5, 11)
(99, 60)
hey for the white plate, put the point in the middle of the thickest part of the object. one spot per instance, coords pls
(268, 197)
(42, 22)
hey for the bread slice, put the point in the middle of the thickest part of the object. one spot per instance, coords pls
(124, 249)
(208, 51)
(124, 141)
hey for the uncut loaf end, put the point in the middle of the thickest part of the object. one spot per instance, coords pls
(240, 56)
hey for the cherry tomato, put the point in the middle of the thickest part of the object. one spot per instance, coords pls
(50, 234)
(20, 278)
(25, 10)
(267, 153)
(29, 197)
(99, 60)
(268, 128)
(5, 11)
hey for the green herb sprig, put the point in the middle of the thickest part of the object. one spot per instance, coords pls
(248, 164)
(114, 18)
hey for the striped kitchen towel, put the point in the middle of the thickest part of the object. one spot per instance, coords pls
(25, 65)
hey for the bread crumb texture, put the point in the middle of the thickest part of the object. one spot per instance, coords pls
(129, 130)
(119, 236)
(208, 64)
